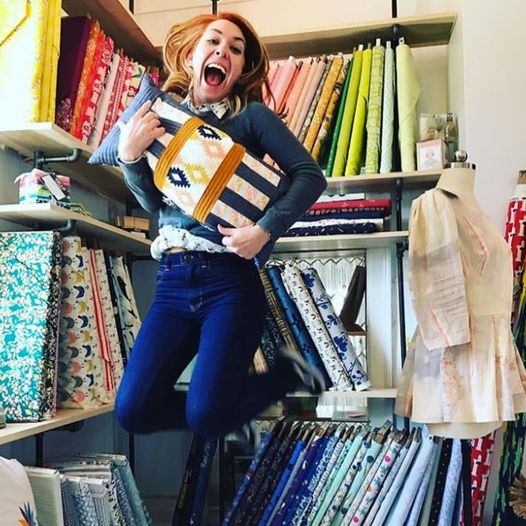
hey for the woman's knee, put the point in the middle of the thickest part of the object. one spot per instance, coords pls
(128, 415)
(205, 420)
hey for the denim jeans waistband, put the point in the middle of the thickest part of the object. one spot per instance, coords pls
(199, 256)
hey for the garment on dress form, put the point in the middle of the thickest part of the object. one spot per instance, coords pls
(463, 374)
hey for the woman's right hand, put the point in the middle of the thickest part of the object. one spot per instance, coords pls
(139, 132)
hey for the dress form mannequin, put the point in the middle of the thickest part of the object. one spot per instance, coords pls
(458, 178)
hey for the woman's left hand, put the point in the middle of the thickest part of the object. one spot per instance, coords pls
(245, 241)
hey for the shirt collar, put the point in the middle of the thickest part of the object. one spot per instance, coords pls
(219, 109)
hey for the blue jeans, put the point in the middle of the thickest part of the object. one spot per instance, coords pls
(213, 305)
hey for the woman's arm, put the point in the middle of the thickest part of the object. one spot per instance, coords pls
(307, 181)
(139, 179)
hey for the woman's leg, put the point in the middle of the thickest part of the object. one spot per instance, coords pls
(222, 394)
(166, 343)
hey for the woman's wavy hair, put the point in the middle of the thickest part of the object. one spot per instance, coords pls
(181, 41)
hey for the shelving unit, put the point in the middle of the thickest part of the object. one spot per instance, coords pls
(63, 418)
(51, 215)
(419, 31)
(380, 393)
(54, 141)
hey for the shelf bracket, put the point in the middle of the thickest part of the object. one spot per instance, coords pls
(399, 188)
(214, 6)
(39, 450)
(68, 229)
(394, 8)
(400, 249)
(40, 160)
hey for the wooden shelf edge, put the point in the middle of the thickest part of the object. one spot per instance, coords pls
(14, 432)
(380, 393)
(418, 31)
(50, 212)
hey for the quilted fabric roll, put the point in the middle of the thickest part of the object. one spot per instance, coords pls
(374, 113)
(336, 330)
(29, 321)
(386, 149)
(348, 114)
(314, 323)
(200, 168)
(354, 155)
(408, 90)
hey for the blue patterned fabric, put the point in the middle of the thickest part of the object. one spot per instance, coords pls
(451, 487)
(315, 229)
(296, 324)
(29, 321)
(336, 330)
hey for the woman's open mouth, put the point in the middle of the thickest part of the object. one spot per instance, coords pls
(215, 74)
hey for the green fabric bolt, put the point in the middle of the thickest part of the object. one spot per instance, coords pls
(339, 119)
(348, 115)
(386, 149)
(354, 155)
(374, 115)
(408, 89)
(323, 133)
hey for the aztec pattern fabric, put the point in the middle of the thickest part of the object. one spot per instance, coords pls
(199, 168)
(29, 321)
(336, 330)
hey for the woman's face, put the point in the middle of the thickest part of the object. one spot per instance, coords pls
(217, 61)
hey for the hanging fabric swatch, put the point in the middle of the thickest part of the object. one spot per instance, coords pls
(356, 145)
(336, 330)
(312, 319)
(320, 145)
(344, 136)
(374, 111)
(29, 321)
(408, 91)
(339, 120)
(386, 148)
(29, 48)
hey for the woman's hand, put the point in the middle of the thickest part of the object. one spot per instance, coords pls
(245, 241)
(139, 132)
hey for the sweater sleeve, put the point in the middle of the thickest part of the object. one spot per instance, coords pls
(139, 179)
(306, 179)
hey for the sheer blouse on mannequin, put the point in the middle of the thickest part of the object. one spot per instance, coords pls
(462, 375)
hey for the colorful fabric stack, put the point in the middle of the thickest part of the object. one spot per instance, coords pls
(342, 108)
(301, 312)
(96, 82)
(342, 216)
(319, 474)
(60, 322)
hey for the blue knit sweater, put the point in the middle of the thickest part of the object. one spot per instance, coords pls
(261, 132)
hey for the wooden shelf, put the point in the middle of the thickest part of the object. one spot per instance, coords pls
(51, 215)
(418, 31)
(382, 182)
(63, 417)
(385, 393)
(54, 141)
(120, 24)
(332, 245)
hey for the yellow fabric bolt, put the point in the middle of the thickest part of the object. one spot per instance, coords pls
(354, 155)
(348, 115)
(374, 114)
(408, 89)
(329, 114)
(321, 108)
(22, 54)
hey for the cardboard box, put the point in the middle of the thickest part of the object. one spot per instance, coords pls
(431, 154)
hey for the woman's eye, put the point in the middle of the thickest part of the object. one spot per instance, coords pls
(236, 50)
(213, 41)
